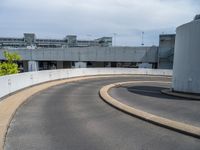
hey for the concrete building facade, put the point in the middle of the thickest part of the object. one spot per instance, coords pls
(52, 58)
(44, 54)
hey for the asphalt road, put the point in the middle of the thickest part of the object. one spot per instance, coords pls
(148, 97)
(73, 117)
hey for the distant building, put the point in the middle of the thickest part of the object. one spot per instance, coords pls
(30, 41)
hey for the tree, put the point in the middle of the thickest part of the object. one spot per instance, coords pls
(9, 66)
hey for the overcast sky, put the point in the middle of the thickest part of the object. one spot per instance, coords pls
(89, 19)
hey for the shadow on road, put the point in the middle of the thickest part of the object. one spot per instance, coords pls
(152, 91)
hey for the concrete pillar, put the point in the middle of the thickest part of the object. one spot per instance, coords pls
(59, 64)
(33, 66)
(186, 70)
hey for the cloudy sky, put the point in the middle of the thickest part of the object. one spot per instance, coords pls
(89, 19)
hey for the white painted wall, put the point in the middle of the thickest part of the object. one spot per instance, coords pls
(12, 83)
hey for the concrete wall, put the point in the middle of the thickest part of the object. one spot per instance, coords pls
(186, 59)
(12, 83)
(109, 54)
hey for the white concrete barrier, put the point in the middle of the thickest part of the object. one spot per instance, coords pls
(13, 83)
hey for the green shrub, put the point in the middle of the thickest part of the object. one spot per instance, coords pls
(9, 66)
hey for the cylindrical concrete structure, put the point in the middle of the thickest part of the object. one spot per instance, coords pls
(186, 69)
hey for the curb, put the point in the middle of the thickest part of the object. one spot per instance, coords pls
(164, 122)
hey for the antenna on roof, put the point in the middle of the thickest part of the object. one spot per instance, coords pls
(142, 39)
(114, 38)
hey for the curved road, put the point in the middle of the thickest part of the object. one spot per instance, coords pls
(73, 117)
(148, 97)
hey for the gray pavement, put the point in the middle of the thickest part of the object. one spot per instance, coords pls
(148, 97)
(72, 116)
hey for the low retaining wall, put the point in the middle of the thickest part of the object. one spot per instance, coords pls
(13, 83)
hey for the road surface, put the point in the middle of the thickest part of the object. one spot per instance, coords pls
(73, 117)
(148, 97)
